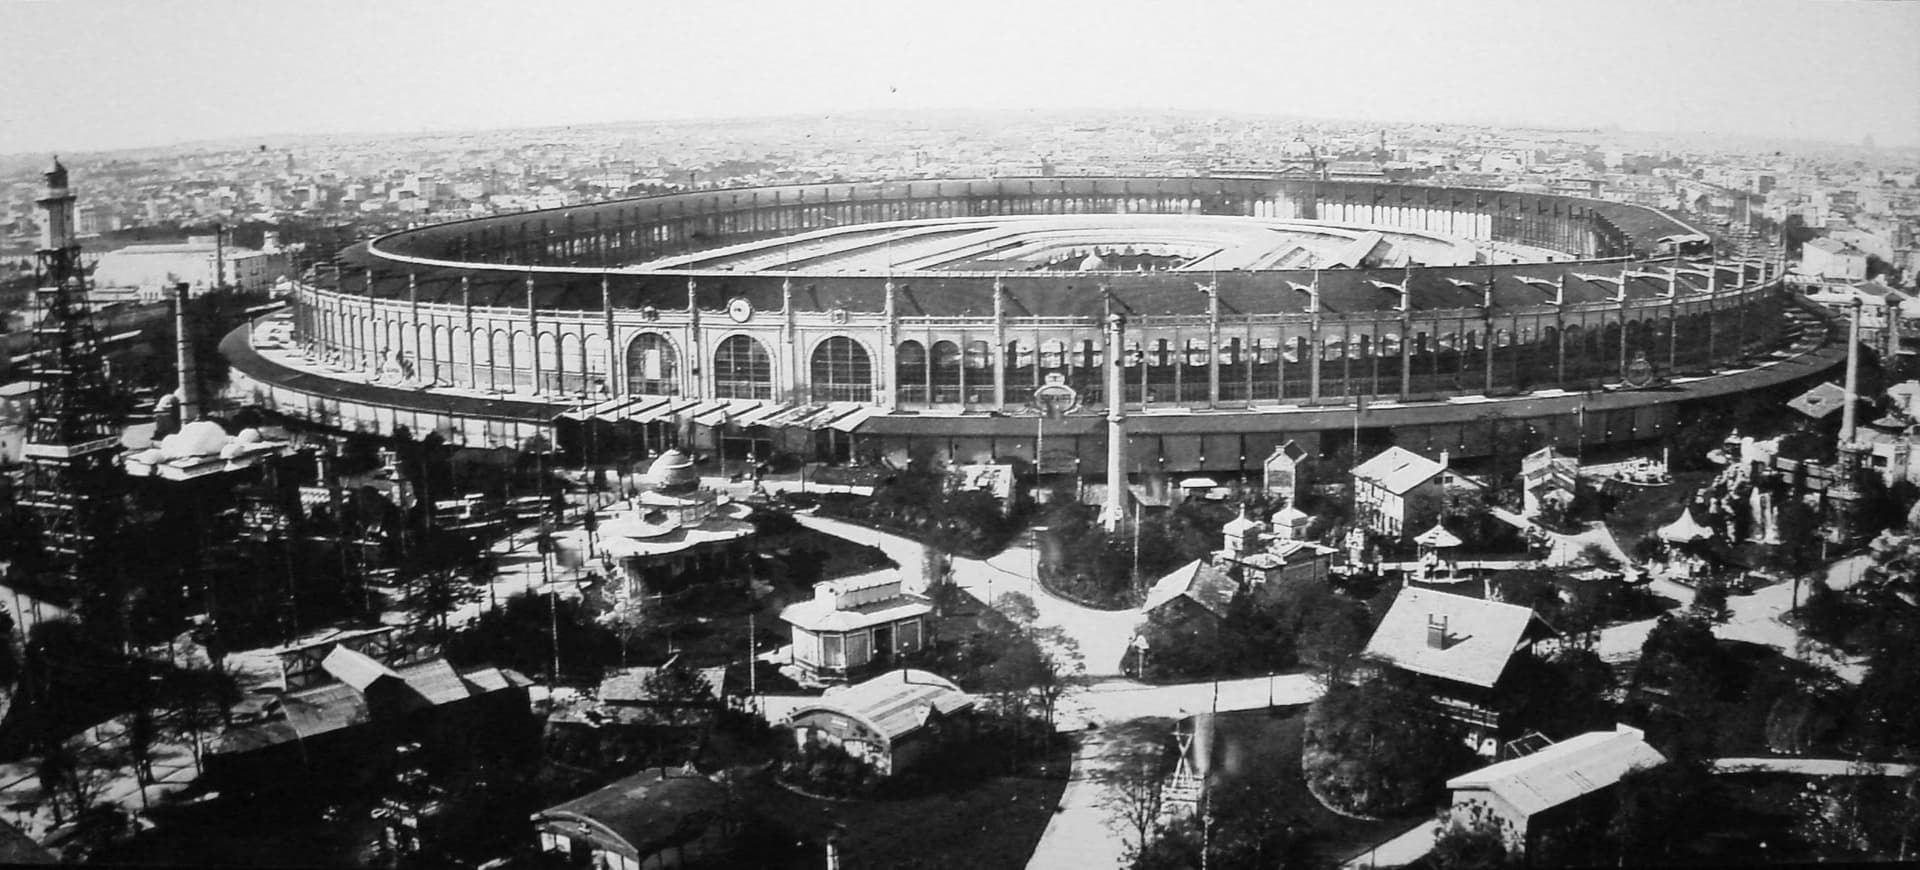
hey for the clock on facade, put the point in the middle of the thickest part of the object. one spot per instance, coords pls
(740, 309)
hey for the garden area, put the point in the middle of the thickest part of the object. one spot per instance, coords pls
(1284, 627)
(1264, 814)
(922, 505)
(1081, 562)
(987, 821)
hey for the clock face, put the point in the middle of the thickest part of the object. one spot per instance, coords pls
(740, 310)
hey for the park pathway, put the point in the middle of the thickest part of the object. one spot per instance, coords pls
(1101, 635)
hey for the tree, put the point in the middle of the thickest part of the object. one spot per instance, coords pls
(1378, 747)
(1682, 673)
(1561, 696)
(434, 574)
(627, 615)
(1328, 629)
(198, 700)
(1476, 840)
(1133, 793)
(1659, 810)
(1036, 665)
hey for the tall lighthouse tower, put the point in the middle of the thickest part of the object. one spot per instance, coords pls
(73, 433)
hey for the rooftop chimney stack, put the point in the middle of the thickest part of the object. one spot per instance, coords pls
(183, 350)
(1437, 632)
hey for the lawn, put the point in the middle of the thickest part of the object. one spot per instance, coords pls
(1642, 510)
(706, 624)
(1264, 747)
(993, 823)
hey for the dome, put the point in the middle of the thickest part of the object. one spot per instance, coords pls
(673, 471)
(1298, 149)
(248, 435)
(1093, 263)
(199, 438)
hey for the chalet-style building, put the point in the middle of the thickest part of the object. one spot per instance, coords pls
(1530, 793)
(857, 625)
(1459, 649)
(889, 722)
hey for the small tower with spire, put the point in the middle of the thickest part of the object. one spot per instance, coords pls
(73, 433)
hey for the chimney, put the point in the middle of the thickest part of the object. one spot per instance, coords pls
(1443, 460)
(1436, 632)
(183, 349)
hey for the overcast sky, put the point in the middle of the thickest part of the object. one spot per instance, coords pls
(80, 76)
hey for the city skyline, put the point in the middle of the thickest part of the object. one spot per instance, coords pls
(1832, 72)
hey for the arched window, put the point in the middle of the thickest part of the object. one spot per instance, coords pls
(841, 371)
(946, 372)
(910, 371)
(742, 369)
(1053, 354)
(979, 357)
(652, 369)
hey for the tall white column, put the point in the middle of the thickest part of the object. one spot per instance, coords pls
(1116, 508)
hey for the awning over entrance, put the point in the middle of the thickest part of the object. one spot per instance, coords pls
(853, 420)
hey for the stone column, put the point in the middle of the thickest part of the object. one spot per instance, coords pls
(533, 335)
(999, 345)
(1116, 507)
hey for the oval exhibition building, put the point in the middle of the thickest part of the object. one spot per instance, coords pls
(1096, 326)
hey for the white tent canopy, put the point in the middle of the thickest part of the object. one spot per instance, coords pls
(1685, 530)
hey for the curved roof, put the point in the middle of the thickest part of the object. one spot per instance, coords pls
(642, 814)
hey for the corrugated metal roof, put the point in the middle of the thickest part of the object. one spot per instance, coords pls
(436, 681)
(355, 669)
(1564, 771)
(648, 811)
(894, 703)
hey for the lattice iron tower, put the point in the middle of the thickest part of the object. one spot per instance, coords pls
(73, 436)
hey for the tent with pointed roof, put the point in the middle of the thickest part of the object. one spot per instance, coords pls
(1437, 538)
(1685, 530)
